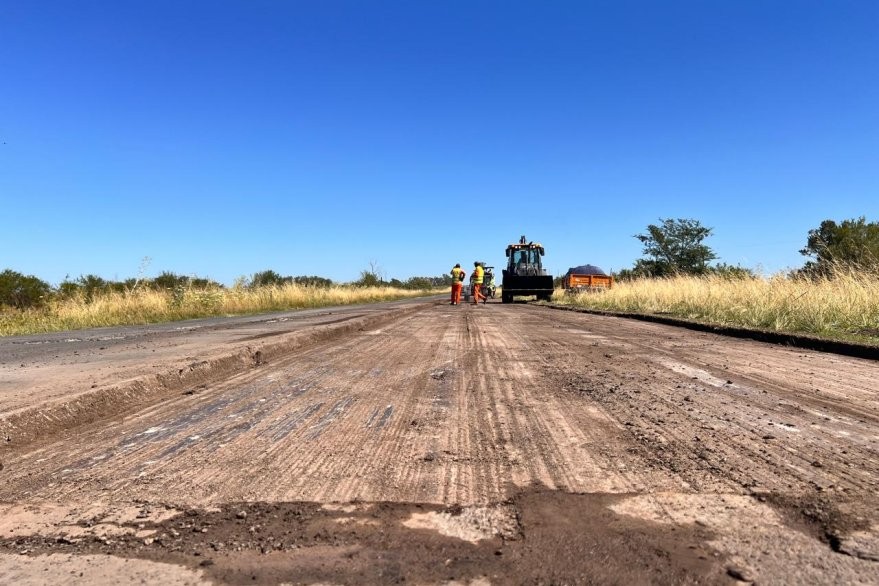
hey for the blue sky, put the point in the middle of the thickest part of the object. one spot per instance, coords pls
(221, 138)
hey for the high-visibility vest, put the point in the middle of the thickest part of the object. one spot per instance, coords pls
(456, 274)
(477, 275)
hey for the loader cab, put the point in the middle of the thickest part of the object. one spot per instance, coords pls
(525, 259)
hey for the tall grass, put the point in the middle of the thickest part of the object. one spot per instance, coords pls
(151, 306)
(842, 306)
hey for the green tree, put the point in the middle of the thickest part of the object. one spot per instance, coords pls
(674, 247)
(204, 283)
(22, 291)
(731, 272)
(625, 275)
(313, 281)
(371, 277)
(90, 285)
(851, 244)
(68, 288)
(268, 278)
(421, 283)
(169, 280)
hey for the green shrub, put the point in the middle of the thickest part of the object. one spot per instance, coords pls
(267, 279)
(22, 291)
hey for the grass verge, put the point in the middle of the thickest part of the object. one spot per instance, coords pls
(842, 307)
(151, 306)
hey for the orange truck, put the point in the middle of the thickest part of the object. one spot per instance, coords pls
(586, 278)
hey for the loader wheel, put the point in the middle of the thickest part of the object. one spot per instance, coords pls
(506, 298)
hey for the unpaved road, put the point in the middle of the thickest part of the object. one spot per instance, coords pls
(425, 443)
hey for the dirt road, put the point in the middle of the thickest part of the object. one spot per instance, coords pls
(429, 443)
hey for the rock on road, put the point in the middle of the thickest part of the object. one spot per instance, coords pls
(429, 443)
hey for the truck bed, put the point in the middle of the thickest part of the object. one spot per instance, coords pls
(576, 283)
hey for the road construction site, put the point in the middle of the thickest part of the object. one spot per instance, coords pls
(418, 442)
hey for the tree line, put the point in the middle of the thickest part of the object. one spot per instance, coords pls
(22, 291)
(671, 247)
(374, 277)
(677, 247)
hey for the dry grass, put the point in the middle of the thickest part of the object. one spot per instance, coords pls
(845, 306)
(150, 306)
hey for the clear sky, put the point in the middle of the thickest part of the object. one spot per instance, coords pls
(220, 138)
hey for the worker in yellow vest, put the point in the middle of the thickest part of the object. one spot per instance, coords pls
(476, 282)
(457, 283)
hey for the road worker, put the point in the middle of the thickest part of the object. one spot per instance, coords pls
(476, 282)
(457, 283)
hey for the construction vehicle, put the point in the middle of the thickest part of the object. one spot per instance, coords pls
(488, 285)
(488, 288)
(525, 275)
(586, 278)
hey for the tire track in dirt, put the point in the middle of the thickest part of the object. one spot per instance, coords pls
(551, 436)
(467, 417)
(65, 389)
(724, 425)
(467, 411)
(452, 414)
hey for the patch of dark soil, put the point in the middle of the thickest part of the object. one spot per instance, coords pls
(562, 538)
(872, 332)
(819, 515)
(570, 538)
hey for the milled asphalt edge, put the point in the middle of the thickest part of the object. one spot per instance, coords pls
(793, 340)
(117, 401)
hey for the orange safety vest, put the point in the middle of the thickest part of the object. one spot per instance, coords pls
(478, 272)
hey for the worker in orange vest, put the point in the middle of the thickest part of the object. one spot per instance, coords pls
(457, 283)
(476, 282)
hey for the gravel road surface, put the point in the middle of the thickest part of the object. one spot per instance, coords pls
(425, 443)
